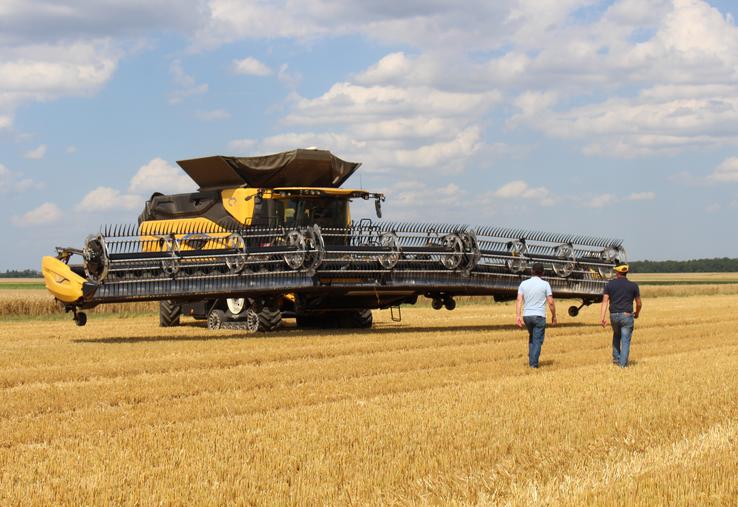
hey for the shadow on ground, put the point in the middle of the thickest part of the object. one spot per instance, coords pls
(207, 335)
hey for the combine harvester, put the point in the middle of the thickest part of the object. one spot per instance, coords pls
(267, 238)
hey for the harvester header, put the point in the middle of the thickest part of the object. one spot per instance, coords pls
(271, 237)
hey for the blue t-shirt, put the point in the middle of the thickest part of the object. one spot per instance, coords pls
(535, 291)
(622, 292)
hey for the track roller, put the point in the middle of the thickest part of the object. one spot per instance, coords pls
(216, 318)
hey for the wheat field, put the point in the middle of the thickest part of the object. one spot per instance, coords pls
(438, 409)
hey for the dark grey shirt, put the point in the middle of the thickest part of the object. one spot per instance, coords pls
(622, 292)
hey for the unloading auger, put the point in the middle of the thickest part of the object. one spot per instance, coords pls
(246, 257)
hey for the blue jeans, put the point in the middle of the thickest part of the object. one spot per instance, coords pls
(536, 331)
(622, 331)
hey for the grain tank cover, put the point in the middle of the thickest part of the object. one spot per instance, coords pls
(296, 168)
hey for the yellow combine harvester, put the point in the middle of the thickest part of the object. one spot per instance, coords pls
(271, 237)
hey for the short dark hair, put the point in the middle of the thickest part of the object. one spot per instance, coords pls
(537, 268)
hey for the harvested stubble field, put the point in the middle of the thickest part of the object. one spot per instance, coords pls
(440, 409)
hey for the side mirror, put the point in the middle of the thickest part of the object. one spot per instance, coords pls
(378, 207)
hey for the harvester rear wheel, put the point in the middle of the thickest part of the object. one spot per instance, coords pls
(169, 313)
(357, 319)
(270, 318)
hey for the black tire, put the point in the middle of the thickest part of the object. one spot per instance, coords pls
(80, 318)
(358, 319)
(270, 319)
(169, 313)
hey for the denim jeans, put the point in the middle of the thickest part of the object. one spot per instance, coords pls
(622, 330)
(536, 331)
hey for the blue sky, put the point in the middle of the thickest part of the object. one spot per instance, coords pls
(614, 118)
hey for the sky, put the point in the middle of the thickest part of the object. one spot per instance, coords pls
(612, 118)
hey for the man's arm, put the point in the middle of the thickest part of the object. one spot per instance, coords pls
(639, 305)
(603, 309)
(552, 306)
(518, 308)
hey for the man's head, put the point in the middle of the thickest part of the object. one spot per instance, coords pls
(537, 269)
(621, 269)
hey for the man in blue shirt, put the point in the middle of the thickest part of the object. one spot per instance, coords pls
(533, 294)
(619, 295)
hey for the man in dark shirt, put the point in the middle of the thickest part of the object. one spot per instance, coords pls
(619, 295)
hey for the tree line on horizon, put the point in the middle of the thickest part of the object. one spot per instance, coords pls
(715, 265)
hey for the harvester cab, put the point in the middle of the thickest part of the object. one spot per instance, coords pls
(298, 188)
(264, 238)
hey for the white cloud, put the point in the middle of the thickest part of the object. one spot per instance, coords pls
(419, 201)
(387, 127)
(213, 115)
(389, 69)
(519, 189)
(157, 175)
(607, 199)
(634, 80)
(600, 201)
(727, 171)
(185, 85)
(46, 214)
(15, 182)
(641, 196)
(36, 153)
(6, 121)
(413, 192)
(438, 24)
(656, 122)
(251, 67)
(532, 103)
(713, 208)
(445, 154)
(290, 79)
(41, 72)
(684, 72)
(22, 21)
(349, 103)
(242, 146)
(107, 199)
